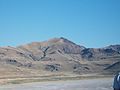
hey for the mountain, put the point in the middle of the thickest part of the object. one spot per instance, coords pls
(58, 56)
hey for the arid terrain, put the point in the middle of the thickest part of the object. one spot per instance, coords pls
(89, 84)
(57, 57)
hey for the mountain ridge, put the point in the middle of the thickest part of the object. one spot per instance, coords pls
(56, 56)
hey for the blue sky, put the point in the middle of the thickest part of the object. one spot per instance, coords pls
(92, 23)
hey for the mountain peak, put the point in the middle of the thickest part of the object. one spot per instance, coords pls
(64, 40)
(60, 40)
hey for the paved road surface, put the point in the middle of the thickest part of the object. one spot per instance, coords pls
(90, 84)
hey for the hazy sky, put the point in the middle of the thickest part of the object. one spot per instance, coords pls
(92, 23)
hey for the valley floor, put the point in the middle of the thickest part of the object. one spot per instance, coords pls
(84, 84)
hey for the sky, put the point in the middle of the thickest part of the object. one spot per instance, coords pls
(91, 23)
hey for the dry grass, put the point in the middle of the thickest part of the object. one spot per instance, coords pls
(46, 78)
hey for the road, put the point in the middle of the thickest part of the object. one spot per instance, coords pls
(90, 84)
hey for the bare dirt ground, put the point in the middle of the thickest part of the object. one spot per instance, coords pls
(86, 84)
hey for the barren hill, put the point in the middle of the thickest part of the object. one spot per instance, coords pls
(58, 56)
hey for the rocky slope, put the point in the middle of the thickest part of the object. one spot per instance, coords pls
(58, 56)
